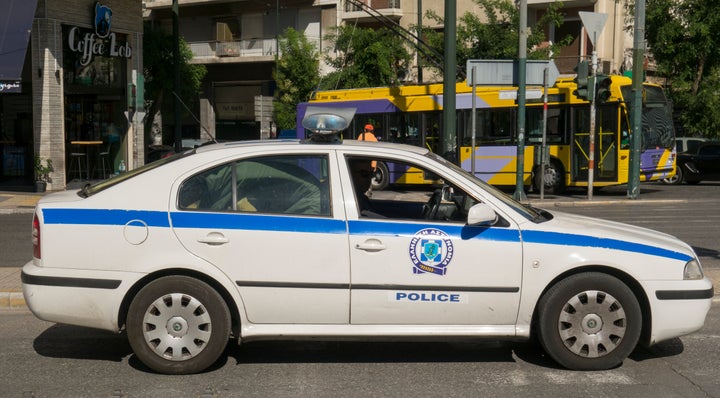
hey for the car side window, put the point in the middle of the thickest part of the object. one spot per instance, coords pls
(292, 185)
(709, 150)
(411, 192)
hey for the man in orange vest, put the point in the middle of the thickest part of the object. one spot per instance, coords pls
(368, 134)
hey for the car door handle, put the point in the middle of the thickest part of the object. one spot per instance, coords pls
(214, 239)
(371, 245)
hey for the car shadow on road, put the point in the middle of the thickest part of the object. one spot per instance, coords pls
(704, 252)
(75, 342)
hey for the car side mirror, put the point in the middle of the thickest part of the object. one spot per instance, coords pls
(481, 215)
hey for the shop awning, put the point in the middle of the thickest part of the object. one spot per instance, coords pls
(15, 27)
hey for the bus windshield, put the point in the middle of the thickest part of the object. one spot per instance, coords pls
(657, 124)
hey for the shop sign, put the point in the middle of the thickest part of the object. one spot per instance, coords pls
(101, 42)
(235, 110)
(10, 86)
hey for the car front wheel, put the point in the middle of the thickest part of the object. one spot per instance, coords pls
(178, 325)
(589, 321)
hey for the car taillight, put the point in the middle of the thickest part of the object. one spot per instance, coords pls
(36, 236)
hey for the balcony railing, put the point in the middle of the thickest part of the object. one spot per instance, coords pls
(376, 4)
(240, 48)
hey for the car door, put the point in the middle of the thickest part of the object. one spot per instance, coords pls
(410, 270)
(708, 161)
(270, 224)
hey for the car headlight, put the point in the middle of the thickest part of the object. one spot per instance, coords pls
(693, 270)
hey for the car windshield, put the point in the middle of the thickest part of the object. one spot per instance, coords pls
(92, 189)
(528, 212)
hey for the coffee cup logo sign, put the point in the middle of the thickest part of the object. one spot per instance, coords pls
(102, 42)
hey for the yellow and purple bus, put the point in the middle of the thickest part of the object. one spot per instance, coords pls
(413, 115)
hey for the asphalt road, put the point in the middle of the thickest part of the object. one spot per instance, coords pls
(41, 359)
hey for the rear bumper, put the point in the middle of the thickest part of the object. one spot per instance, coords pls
(73, 297)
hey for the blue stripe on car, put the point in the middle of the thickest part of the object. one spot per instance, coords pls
(104, 217)
(255, 222)
(558, 238)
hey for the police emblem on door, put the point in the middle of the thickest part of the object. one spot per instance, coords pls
(431, 250)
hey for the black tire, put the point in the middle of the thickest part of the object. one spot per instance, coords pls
(381, 179)
(574, 320)
(199, 314)
(554, 178)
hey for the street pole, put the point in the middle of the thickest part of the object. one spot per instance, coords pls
(176, 75)
(593, 111)
(449, 147)
(419, 35)
(473, 119)
(636, 109)
(519, 194)
(543, 153)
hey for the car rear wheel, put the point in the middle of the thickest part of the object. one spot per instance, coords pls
(589, 321)
(178, 325)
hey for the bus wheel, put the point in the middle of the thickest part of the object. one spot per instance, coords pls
(382, 177)
(554, 178)
(677, 178)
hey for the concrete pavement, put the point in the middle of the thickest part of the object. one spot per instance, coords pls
(11, 297)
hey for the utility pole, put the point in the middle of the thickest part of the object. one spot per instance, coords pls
(449, 138)
(636, 106)
(419, 35)
(176, 75)
(519, 194)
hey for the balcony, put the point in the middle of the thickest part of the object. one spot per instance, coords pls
(387, 8)
(159, 4)
(249, 50)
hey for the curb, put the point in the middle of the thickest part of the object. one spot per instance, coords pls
(12, 301)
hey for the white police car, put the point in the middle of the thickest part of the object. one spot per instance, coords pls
(278, 239)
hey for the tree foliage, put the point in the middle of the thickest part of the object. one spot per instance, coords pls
(297, 75)
(683, 37)
(158, 70)
(497, 35)
(366, 58)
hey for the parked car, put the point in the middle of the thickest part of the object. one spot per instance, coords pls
(701, 163)
(683, 144)
(277, 239)
(688, 144)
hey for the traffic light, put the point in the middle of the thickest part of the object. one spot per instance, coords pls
(602, 92)
(584, 88)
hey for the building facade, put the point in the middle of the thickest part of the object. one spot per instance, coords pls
(237, 42)
(82, 58)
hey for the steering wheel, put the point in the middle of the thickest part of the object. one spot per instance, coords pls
(430, 208)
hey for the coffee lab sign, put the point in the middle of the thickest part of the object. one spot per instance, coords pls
(100, 42)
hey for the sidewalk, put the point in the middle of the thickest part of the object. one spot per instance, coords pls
(18, 202)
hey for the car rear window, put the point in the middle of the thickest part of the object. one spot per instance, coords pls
(92, 189)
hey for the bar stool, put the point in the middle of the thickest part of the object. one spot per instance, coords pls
(104, 162)
(79, 158)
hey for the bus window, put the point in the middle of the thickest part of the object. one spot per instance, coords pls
(496, 126)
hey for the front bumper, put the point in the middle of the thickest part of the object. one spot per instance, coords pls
(678, 308)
